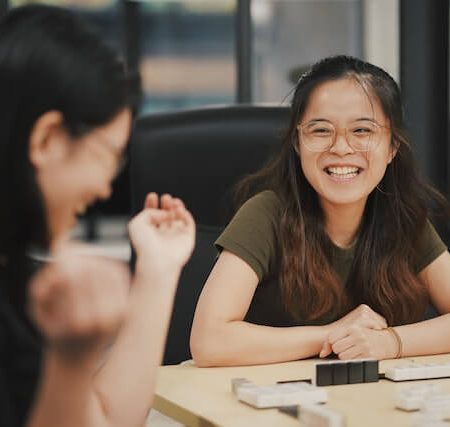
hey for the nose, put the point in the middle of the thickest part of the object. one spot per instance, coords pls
(341, 145)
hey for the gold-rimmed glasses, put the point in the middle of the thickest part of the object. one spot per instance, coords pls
(108, 154)
(320, 135)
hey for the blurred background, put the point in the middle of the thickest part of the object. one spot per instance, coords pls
(191, 53)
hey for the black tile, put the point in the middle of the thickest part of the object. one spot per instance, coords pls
(355, 372)
(324, 374)
(371, 371)
(340, 373)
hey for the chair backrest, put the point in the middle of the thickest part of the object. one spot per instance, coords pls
(198, 155)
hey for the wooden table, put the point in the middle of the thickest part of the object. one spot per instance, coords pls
(202, 396)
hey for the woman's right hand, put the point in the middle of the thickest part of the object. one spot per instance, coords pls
(78, 303)
(362, 316)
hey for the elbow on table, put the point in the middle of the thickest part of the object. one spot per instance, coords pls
(199, 352)
(203, 350)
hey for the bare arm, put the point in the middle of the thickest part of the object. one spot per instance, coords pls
(431, 336)
(65, 395)
(421, 338)
(126, 382)
(220, 336)
(122, 391)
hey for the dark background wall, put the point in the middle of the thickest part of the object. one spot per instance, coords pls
(424, 76)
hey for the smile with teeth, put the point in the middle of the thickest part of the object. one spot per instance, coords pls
(342, 172)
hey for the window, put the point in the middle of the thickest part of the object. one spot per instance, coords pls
(187, 53)
(288, 36)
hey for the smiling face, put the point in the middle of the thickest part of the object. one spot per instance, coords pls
(72, 173)
(341, 175)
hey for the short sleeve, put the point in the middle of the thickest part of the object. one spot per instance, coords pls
(251, 234)
(429, 247)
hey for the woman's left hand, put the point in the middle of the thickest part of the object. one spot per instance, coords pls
(356, 342)
(163, 234)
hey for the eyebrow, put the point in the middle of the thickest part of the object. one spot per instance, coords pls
(365, 119)
(359, 119)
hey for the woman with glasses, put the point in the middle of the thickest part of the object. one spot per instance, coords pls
(333, 250)
(79, 340)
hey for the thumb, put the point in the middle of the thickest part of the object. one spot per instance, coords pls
(326, 350)
(375, 324)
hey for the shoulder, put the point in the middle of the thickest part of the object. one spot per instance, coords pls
(257, 213)
(266, 203)
(252, 233)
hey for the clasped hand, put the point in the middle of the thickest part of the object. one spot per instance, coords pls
(360, 334)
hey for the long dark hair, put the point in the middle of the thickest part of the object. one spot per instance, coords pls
(49, 60)
(382, 273)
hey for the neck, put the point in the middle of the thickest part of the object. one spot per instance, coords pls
(342, 222)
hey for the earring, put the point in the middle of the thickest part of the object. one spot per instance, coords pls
(382, 191)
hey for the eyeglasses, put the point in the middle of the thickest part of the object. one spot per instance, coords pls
(106, 153)
(319, 136)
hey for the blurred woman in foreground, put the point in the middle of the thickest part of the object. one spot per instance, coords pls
(64, 124)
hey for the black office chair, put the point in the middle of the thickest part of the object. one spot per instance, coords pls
(198, 155)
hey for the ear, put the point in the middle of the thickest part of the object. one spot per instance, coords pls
(47, 139)
(394, 150)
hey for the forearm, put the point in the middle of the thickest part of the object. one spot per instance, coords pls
(65, 396)
(243, 343)
(127, 380)
(427, 337)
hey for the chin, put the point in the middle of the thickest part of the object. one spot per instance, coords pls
(344, 199)
(65, 226)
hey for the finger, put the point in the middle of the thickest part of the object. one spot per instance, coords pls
(382, 323)
(343, 344)
(354, 352)
(157, 216)
(185, 216)
(374, 323)
(379, 321)
(338, 334)
(166, 201)
(326, 350)
(151, 201)
(178, 203)
(379, 316)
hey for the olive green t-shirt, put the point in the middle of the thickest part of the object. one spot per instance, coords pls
(252, 236)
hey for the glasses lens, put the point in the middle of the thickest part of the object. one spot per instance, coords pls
(363, 136)
(318, 136)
